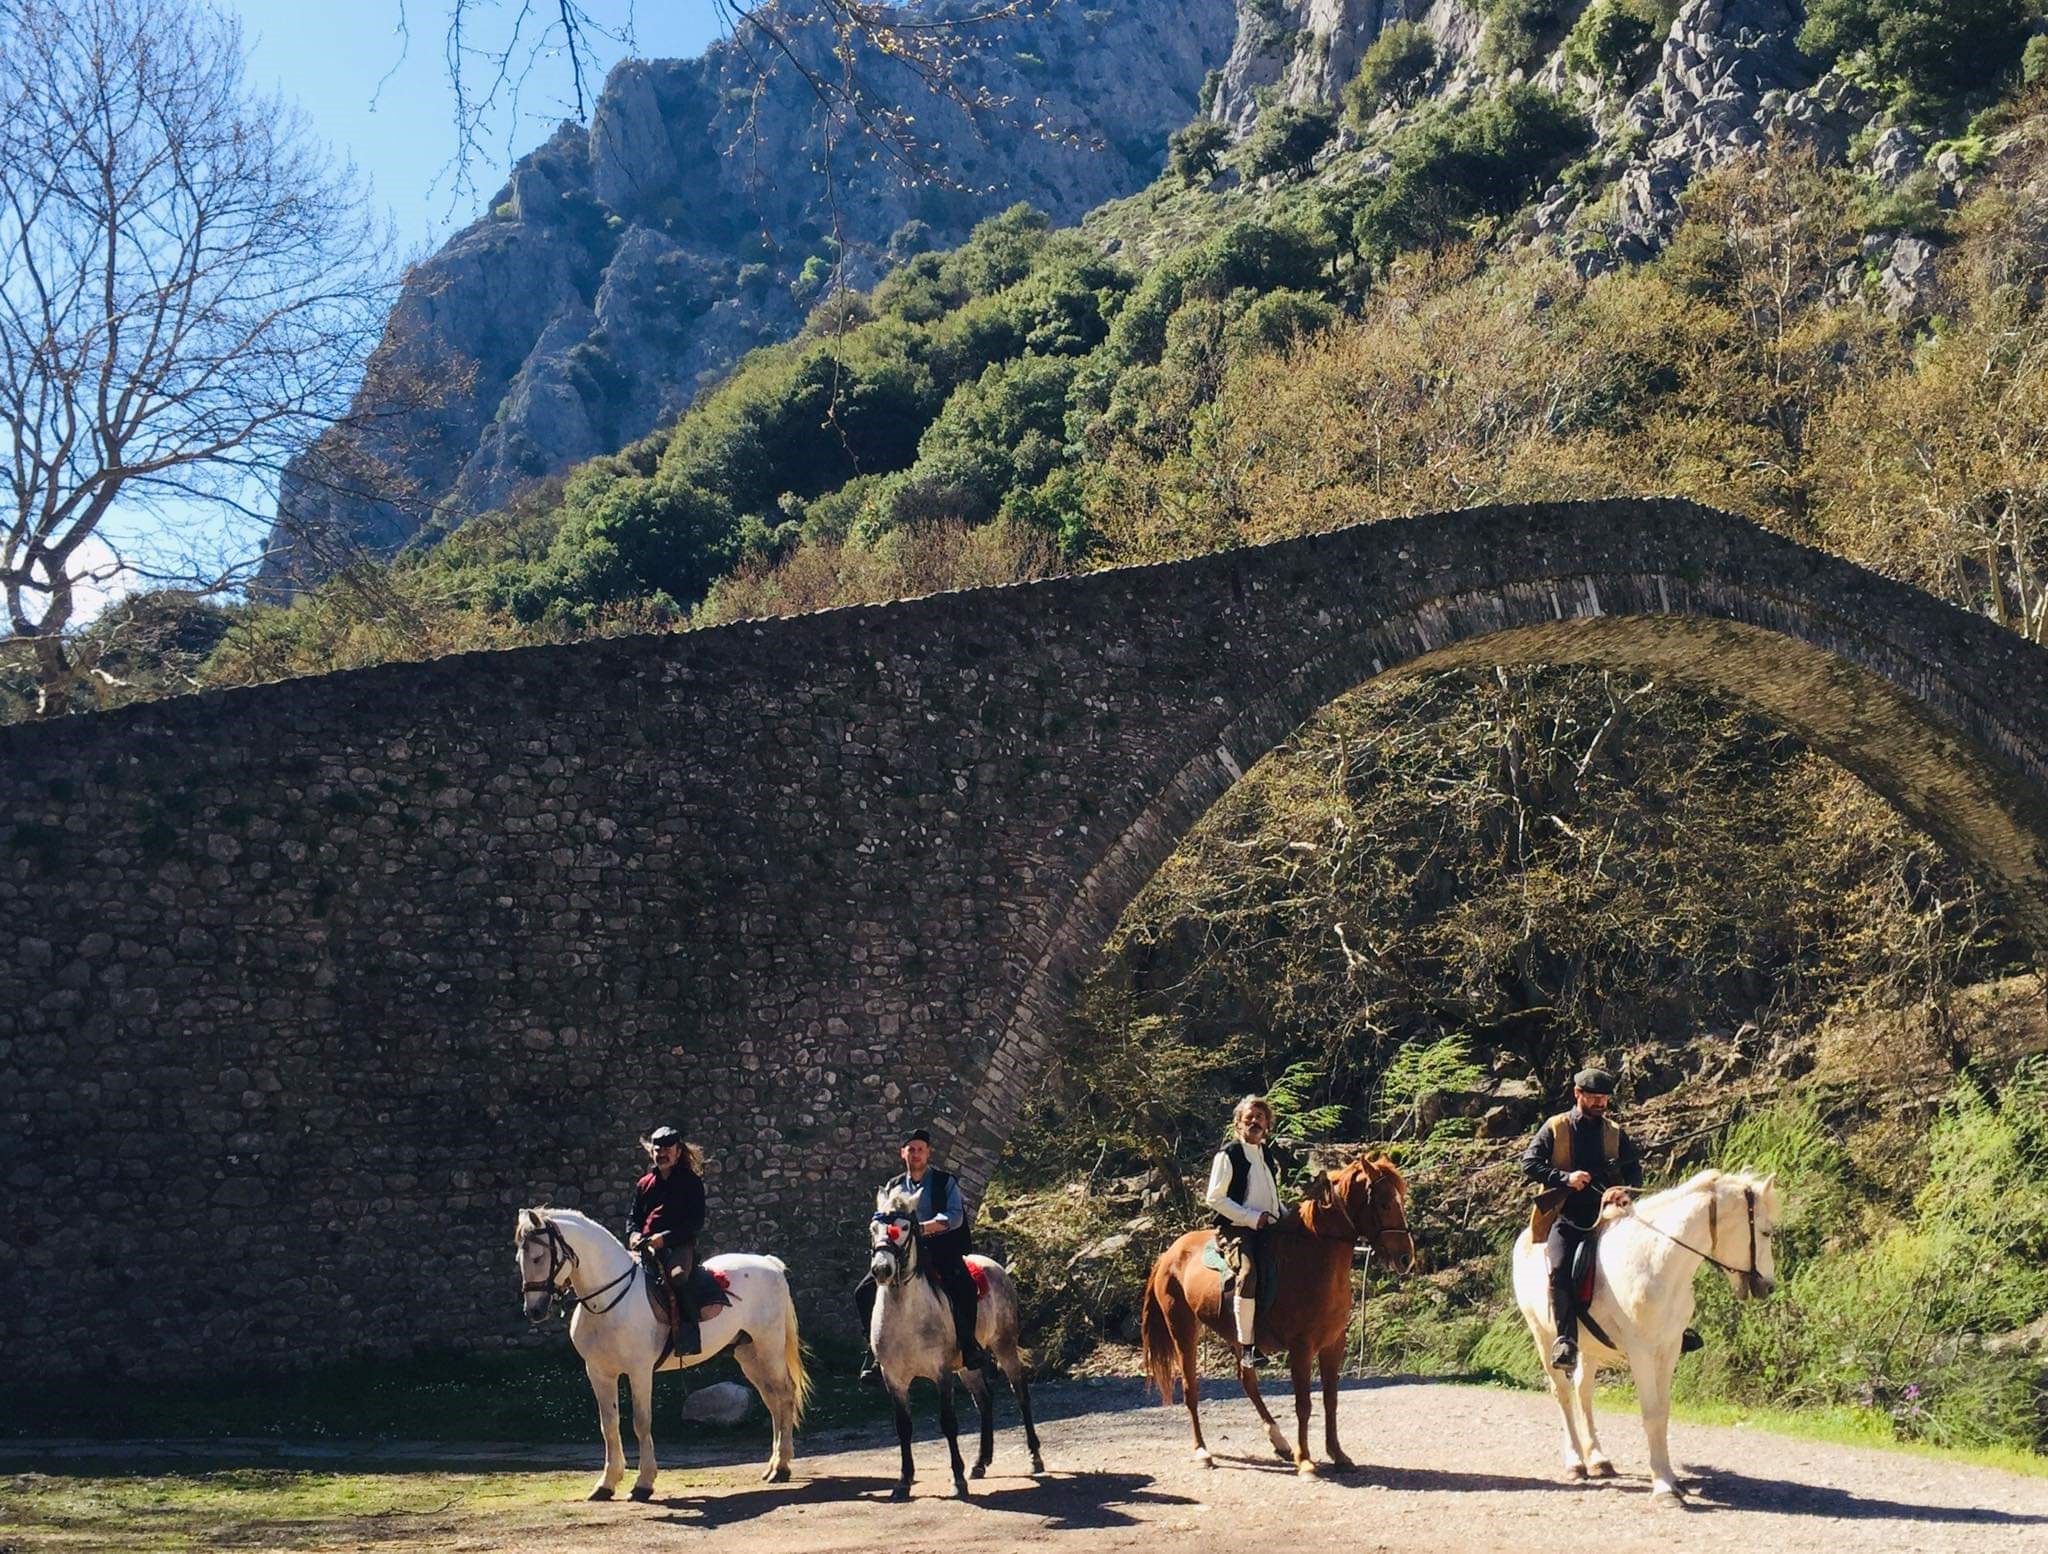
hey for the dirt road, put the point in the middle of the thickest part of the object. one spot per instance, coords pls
(1462, 1470)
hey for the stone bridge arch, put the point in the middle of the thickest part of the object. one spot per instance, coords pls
(372, 960)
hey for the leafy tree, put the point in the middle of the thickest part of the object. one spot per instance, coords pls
(1287, 139)
(1610, 38)
(1195, 151)
(1941, 48)
(1391, 73)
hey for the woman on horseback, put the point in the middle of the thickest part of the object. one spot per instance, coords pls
(668, 1215)
(1244, 1191)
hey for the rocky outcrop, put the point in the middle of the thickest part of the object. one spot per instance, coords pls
(625, 265)
(1306, 50)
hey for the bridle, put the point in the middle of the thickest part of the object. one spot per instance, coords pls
(903, 1235)
(1751, 1276)
(1354, 1233)
(561, 1258)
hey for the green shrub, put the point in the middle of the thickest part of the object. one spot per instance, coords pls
(2034, 60)
(1391, 73)
(1287, 139)
(1513, 30)
(1194, 154)
(1610, 40)
(1942, 48)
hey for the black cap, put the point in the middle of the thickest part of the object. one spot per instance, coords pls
(919, 1136)
(664, 1135)
(1594, 1081)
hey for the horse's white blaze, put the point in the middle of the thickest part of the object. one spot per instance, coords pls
(623, 1337)
(1642, 1299)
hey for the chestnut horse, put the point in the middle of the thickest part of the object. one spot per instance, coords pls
(1308, 1312)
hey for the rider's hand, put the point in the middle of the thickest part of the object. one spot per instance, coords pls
(1265, 1219)
(633, 1241)
(1617, 1196)
(1579, 1179)
(932, 1227)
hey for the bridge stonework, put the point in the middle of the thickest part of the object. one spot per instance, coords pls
(306, 988)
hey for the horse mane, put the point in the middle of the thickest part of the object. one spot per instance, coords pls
(896, 1200)
(1710, 1177)
(536, 1218)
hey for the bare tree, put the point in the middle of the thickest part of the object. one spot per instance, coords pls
(189, 287)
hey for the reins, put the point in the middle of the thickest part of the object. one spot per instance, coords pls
(1714, 1233)
(562, 1256)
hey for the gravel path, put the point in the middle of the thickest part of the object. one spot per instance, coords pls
(1465, 1470)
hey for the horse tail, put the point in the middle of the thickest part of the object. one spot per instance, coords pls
(793, 1357)
(1157, 1333)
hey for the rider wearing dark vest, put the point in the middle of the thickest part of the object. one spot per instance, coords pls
(1244, 1190)
(943, 1247)
(1585, 1158)
(668, 1216)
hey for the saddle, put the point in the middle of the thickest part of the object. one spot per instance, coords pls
(704, 1287)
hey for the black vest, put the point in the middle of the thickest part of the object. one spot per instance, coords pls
(1277, 1161)
(955, 1242)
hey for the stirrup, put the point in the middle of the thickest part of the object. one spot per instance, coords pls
(1252, 1359)
(1690, 1340)
(1564, 1354)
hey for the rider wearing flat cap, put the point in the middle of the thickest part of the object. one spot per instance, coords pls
(1584, 1155)
(945, 1244)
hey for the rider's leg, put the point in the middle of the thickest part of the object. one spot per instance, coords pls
(965, 1299)
(680, 1261)
(1259, 1270)
(864, 1302)
(1564, 1311)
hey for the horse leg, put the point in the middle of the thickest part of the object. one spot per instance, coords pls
(1187, 1349)
(984, 1405)
(643, 1430)
(1013, 1367)
(1561, 1389)
(949, 1421)
(1298, 1363)
(1653, 1390)
(1249, 1380)
(757, 1364)
(1332, 1362)
(1597, 1463)
(605, 1388)
(899, 1395)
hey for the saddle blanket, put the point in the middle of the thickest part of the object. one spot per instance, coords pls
(1212, 1258)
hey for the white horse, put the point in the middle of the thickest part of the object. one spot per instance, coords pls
(1642, 1300)
(566, 1255)
(913, 1335)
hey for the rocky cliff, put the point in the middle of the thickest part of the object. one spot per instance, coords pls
(626, 263)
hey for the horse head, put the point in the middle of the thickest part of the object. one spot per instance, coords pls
(893, 1237)
(1370, 1200)
(545, 1259)
(1744, 1229)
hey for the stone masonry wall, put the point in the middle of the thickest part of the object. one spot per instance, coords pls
(300, 981)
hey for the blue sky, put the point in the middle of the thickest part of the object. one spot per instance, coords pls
(383, 100)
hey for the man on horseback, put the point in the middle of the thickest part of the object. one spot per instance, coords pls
(668, 1215)
(1584, 1161)
(945, 1242)
(1244, 1191)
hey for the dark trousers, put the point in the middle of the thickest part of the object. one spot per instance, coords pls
(956, 1283)
(1256, 1255)
(675, 1265)
(1563, 1251)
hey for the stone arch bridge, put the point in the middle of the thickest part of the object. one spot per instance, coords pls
(300, 977)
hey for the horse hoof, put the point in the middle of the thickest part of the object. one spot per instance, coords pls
(1305, 1468)
(979, 1470)
(1602, 1469)
(641, 1492)
(1667, 1498)
(1202, 1456)
(900, 1492)
(1343, 1465)
(960, 1489)
(1575, 1473)
(602, 1492)
(778, 1474)
(1037, 1463)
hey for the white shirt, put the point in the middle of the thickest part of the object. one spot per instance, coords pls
(1261, 1196)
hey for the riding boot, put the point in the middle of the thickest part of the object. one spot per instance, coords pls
(1564, 1316)
(1690, 1340)
(966, 1314)
(683, 1312)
